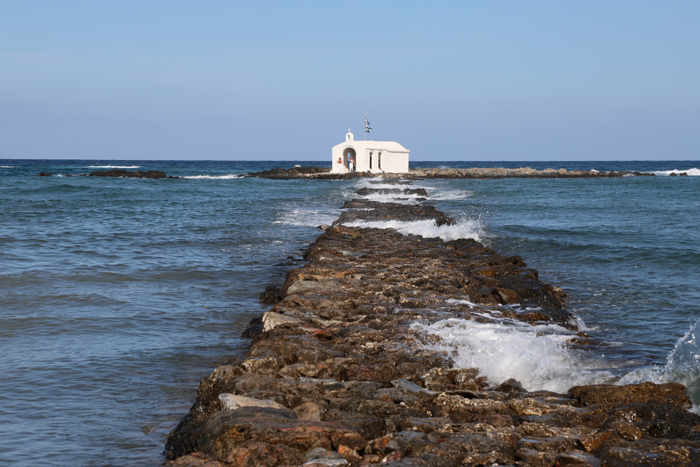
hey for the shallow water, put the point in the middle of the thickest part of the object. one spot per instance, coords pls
(118, 295)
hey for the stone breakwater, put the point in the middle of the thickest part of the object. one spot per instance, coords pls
(471, 173)
(336, 375)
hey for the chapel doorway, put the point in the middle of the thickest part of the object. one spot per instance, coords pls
(349, 153)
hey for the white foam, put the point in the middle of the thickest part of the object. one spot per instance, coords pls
(389, 186)
(451, 195)
(8, 166)
(427, 228)
(399, 198)
(682, 366)
(113, 166)
(213, 177)
(536, 356)
(454, 301)
(307, 217)
(691, 172)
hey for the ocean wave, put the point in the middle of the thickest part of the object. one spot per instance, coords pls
(682, 366)
(451, 195)
(536, 356)
(8, 166)
(399, 198)
(212, 177)
(307, 217)
(427, 228)
(113, 166)
(694, 172)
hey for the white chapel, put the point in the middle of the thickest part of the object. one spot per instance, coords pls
(369, 156)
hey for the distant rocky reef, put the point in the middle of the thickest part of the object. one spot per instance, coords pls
(151, 174)
(324, 173)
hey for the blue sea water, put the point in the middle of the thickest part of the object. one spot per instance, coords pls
(118, 295)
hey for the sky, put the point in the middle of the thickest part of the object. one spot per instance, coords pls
(272, 80)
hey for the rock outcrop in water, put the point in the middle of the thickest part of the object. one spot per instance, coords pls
(471, 173)
(337, 375)
(151, 174)
(524, 172)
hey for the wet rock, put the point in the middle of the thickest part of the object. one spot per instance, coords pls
(373, 211)
(511, 386)
(43, 174)
(301, 172)
(271, 295)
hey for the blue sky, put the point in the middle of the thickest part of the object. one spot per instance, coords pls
(496, 80)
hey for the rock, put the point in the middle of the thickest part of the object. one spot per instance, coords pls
(271, 320)
(264, 455)
(324, 227)
(271, 295)
(308, 286)
(43, 174)
(511, 386)
(669, 393)
(320, 457)
(197, 459)
(299, 172)
(309, 411)
(392, 191)
(233, 402)
(325, 463)
(409, 386)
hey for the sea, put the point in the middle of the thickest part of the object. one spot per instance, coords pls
(118, 295)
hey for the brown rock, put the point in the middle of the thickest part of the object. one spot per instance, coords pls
(382, 373)
(669, 393)
(310, 411)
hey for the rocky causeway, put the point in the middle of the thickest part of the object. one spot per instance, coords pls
(339, 373)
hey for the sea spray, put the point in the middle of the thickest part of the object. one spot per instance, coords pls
(536, 356)
(694, 172)
(683, 363)
(463, 229)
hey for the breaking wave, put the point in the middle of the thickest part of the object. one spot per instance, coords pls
(682, 366)
(536, 356)
(307, 217)
(212, 177)
(691, 172)
(427, 228)
(113, 166)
